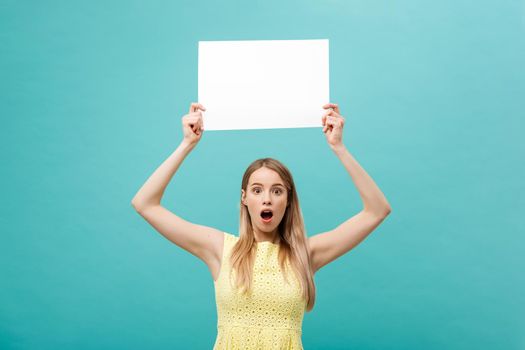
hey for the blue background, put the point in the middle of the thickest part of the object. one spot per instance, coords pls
(92, 95)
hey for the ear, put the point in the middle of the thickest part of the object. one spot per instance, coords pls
(243, 197)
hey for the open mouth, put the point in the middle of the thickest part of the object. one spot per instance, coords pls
(266, 214)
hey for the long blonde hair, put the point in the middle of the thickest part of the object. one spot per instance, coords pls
(293, 245)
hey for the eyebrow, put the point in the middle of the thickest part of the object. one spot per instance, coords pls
(277, 184)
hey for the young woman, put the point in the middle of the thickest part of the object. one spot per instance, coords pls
(263, 278)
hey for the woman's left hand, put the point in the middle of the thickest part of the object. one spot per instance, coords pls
(333, 124)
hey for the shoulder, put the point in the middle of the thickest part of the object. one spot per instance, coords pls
(230, 240)
(224, 245)
(229, 236)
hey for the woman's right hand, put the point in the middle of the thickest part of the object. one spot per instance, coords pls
(192, 124)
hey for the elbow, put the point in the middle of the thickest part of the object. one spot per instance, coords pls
(137, 206)
(386, 211)
(140, 207)
(134, 205)
(381, 213)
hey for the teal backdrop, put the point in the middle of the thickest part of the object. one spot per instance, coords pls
(92, 96)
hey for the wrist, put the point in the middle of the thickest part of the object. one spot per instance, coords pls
(187, 145)
(338, 148)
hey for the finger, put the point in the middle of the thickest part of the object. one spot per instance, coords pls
(195, 106)
(200, 123)
(197, 109)
(200, 127)
(329, 124)
(334, 109)
(334, 122)
(194, 126)
(197, 130)
(192, 121)
(334, 106)
(195, 116)
(338, 124)
(331, 105)
(332, 113)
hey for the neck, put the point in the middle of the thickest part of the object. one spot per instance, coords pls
(266, 236)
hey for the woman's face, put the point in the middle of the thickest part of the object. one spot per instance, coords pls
(265, 191)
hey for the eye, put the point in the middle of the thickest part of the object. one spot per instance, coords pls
(258, 189)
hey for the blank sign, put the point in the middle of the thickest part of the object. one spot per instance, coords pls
(263, 84)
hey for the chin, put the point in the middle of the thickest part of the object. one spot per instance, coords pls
(266, 228)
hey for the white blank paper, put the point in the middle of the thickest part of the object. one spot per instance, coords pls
(263, 84)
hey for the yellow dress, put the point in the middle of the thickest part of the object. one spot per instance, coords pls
(271, 318)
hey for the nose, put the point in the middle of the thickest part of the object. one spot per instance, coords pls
(266, 199)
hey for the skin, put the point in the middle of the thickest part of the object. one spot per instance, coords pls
(265, 190)
(207, 242)
(266, 195)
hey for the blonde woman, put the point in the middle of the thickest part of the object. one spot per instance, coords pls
(263, 278)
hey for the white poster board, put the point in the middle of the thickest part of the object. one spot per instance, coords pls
(263, 84)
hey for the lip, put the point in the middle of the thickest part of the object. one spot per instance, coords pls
(267, 221)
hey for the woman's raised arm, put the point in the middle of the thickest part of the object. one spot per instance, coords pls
(201, 241)
(326, 247)
(151, 192)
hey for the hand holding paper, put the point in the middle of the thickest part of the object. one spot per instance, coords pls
(333, 124)
(193, 124)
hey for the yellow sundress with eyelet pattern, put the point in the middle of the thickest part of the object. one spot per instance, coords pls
(271, 317)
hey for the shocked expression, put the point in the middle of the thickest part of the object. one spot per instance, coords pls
(266, 199)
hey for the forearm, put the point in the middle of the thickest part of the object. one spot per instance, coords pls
(153, 189)
(373, 199)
